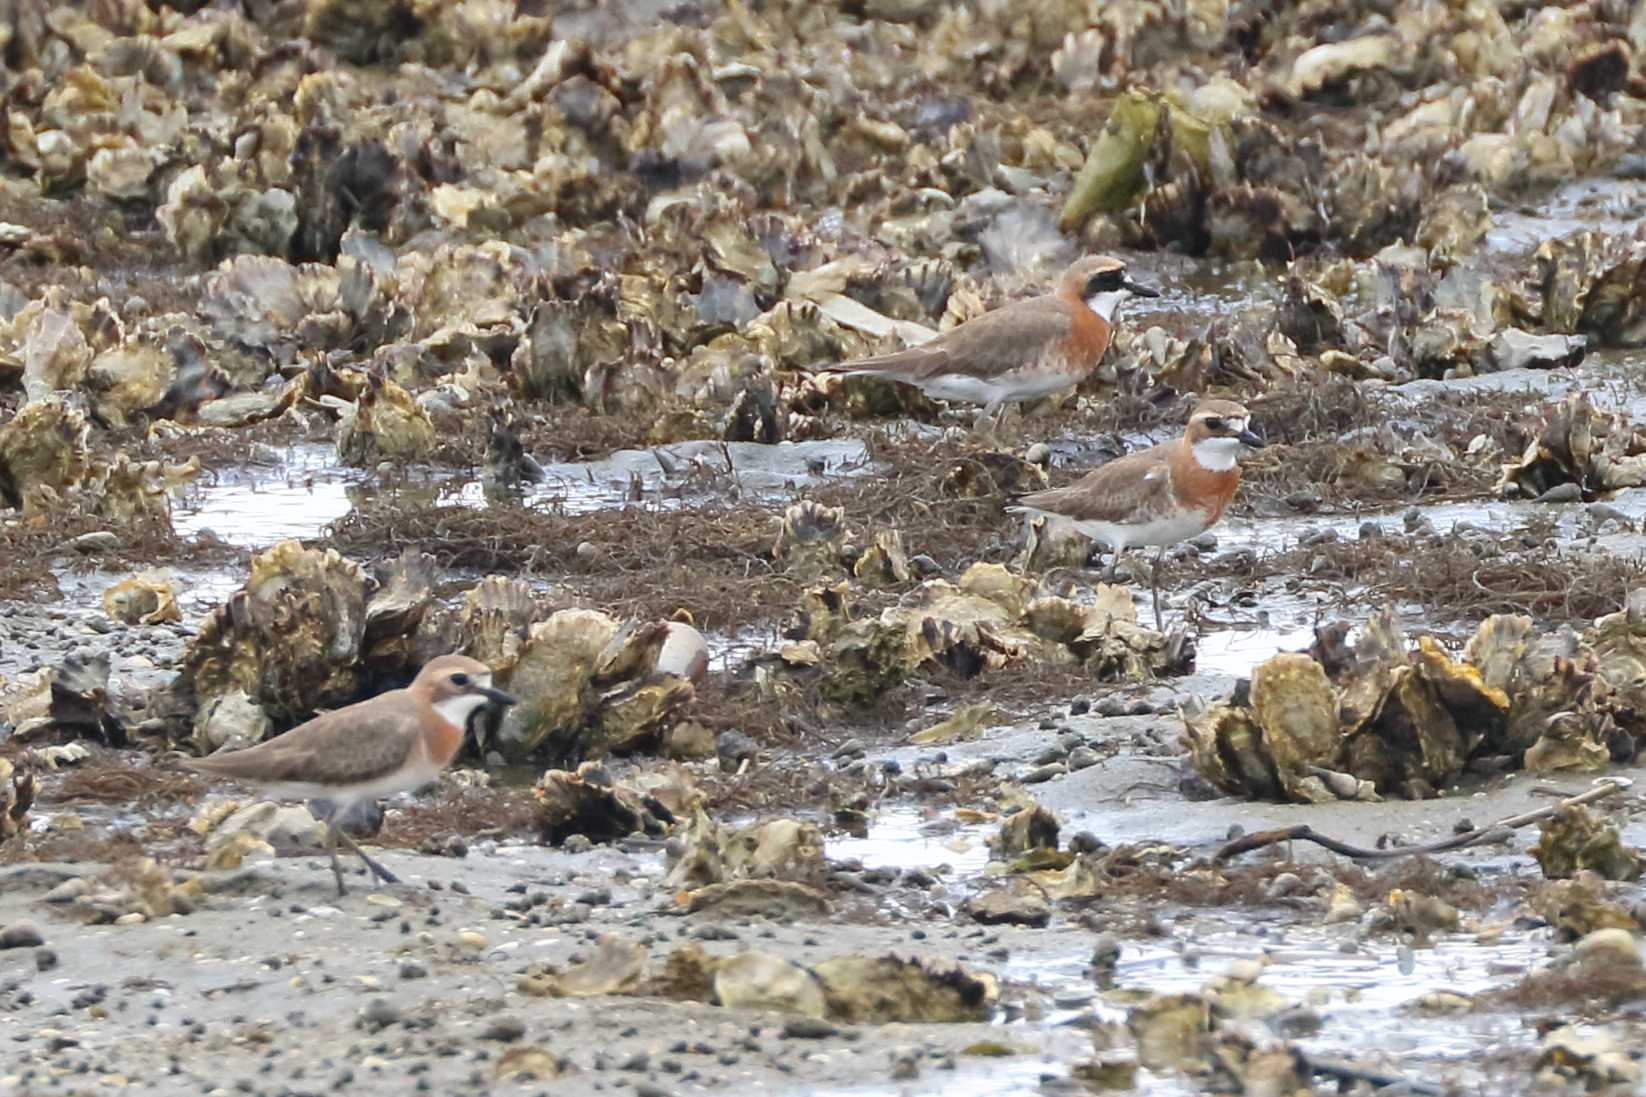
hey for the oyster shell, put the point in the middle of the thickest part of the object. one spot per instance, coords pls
(289, 638)
(43, 445)
(146, 598)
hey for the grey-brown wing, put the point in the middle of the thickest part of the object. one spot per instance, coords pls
(358, 743)
(1136, 484)
(986, 346)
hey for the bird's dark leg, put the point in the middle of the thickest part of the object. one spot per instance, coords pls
(1154, 587)
(377, 869)
(331, 849)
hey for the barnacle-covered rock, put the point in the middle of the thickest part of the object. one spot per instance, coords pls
(43, 445)
(1580, 444)
(289, 638)
(887, 989)
(1387, 719)
(146, 598)
(1574, 840)
(589, 687)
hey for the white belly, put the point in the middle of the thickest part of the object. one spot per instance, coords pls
(344, 795)
(971, 390)
(1168, 530)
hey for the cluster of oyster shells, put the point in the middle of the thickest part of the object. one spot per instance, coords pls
(1385, 717)
(441, 207)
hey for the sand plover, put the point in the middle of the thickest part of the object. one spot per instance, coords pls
(393, 742)
(1157, 496)
(1021, 351)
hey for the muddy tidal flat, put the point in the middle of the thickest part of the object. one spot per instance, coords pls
(340, 335)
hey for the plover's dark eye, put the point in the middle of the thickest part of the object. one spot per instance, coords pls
(1105, 280)
(1214, 422)
(460, 679)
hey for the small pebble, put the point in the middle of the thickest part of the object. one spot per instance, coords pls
(808, 1028)
(21, 935)
(504, 1029)
(378, 1015)
(1082, 757)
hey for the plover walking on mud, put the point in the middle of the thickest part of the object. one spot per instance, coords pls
(1021, 351)
(393, 742)
(1158, 496)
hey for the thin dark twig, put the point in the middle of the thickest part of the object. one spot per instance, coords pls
(1305, 833)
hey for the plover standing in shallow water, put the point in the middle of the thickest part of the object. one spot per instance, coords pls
(1021, 351)
(393, 742)
(1157, 496)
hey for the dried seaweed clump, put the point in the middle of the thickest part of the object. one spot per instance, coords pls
(1388, 718)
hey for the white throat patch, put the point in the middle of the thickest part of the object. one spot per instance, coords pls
(457, 710)
(1217, 454)
(1105, 303)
